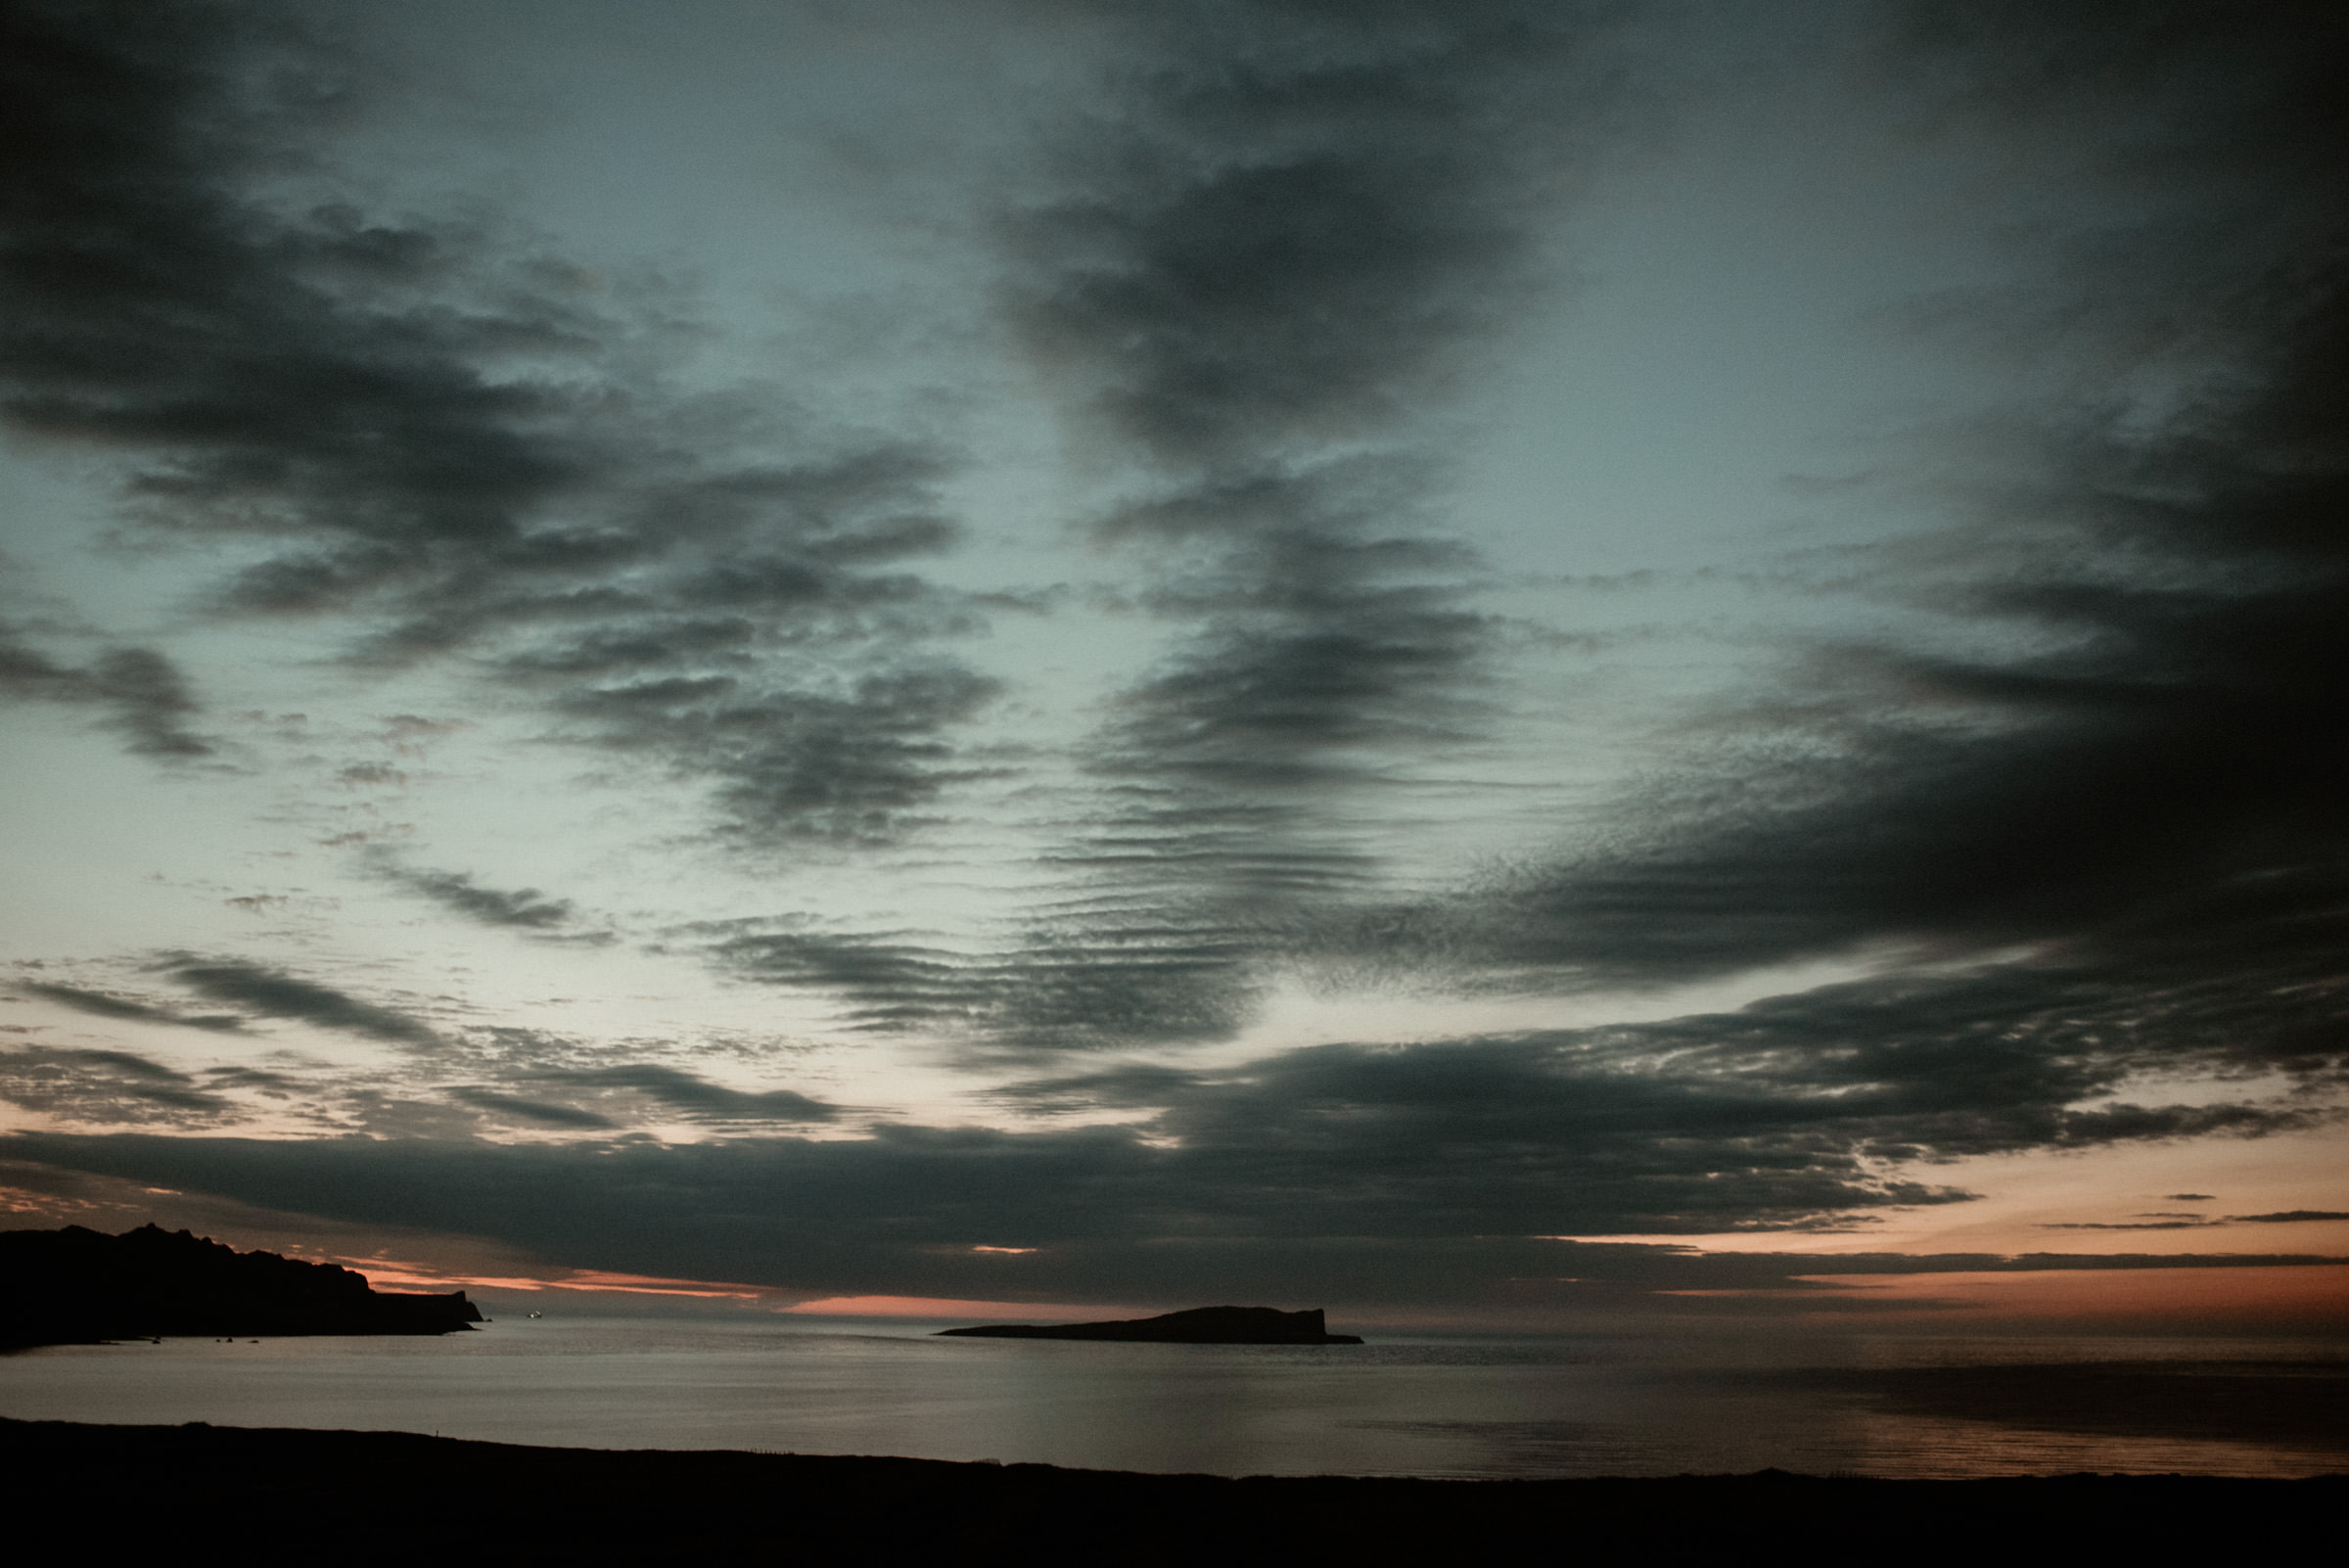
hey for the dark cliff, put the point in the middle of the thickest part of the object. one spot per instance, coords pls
(1201, 1325)
(77, 1286)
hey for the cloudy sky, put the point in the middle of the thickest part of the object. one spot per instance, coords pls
(1459, 659)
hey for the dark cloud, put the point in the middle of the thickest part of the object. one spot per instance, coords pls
(1818, 1110)
(901, 1213)
(98, 1087)
(273, 993)
(270, 1083)
(1293, 220)
(887, 980)
(151, 702)
(2200, 1222)
(696, 1098)
(535, 1112)
(103, 1005)
(1784, 1112)
(524, 908)
(554, 1081)
(435, 434)
(851, 765)
(1807, 1110)
(142, 693)
(2191, 1221)
(1246, 775)
(2137, 779)
(1287, 229)
(1270, 251)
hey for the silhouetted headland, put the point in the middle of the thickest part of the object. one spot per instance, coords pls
(1199, 1325)
(77, 1286)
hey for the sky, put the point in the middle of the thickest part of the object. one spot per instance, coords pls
(1505, 662)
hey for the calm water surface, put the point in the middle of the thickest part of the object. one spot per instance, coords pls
(1449, 1407)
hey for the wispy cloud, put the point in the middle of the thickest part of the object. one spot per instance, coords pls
(102, 1087)
(440, 435)
(1274, 244)
(523, 909)
(274, 994)
(140, 692)
(105, 1004)
(697, 1098)
(533, 1113)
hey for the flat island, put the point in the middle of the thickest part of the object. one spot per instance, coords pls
(77, 1286)
(1199, 1325)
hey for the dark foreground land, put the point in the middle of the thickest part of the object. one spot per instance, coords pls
(383, 1496)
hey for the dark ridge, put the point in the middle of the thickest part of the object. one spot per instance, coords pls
(585, 1505)
(1199, 1325)
(76, 1286)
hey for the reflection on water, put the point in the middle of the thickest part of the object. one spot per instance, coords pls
(1431, 1406)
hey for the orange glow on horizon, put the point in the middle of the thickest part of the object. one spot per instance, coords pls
(2312, 1296)
(383, 1273)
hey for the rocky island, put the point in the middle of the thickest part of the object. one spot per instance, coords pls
(1199, 1325)
(77, 1286)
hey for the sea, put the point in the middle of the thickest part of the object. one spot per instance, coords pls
(1439, 1406)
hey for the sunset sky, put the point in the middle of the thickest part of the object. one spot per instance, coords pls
(1507, 661)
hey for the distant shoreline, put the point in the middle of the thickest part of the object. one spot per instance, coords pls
(595, 1504)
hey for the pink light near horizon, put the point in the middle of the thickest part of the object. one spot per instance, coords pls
(381, 1273)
